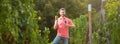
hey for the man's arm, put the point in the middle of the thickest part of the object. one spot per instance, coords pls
(71, 25)
(55, 24)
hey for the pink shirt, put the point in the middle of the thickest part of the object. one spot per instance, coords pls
(63, 30)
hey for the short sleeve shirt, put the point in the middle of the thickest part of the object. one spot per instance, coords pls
(63, 30)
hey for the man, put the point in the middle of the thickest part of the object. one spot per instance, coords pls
(62, 25)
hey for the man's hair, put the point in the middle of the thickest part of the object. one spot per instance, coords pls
(62, 9)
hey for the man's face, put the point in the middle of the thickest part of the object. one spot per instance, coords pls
(62, 12)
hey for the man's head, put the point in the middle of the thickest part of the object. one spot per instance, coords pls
(62, 11)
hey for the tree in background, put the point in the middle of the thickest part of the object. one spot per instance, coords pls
(19, 23)
(78, 35)
(107, 33)
(113, 21)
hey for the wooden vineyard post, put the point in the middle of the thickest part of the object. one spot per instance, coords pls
(90, 23)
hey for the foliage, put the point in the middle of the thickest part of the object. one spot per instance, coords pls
(107, 32)
(19, 23)
(113, 21)
(78, 35)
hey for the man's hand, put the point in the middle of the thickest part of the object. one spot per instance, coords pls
(70, 25)
(56, 17)
(67, 24)
(56, 22)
